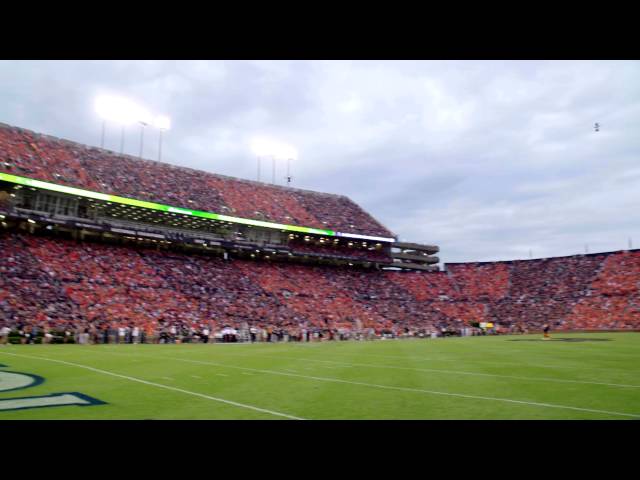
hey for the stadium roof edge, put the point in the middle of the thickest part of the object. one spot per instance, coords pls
(593, 254)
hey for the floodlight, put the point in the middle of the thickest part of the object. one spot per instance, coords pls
(260, 147)
(162, 122)
(266, 147)
(121, 110)
(144, 116)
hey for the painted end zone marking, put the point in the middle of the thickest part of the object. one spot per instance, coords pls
(54, 400)
(159, 385)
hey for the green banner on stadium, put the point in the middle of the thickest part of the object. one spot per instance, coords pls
(157, 206)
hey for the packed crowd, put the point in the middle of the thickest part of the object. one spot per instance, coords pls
(546, 290)
(340, 251)
(613, 300)
(50, 284)
(99, 291)
(480, 281)
(54, 160)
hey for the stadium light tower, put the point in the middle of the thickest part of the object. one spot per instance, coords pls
(162, 123)
(266, 147)
(120, 110)
(104, 126)
(144, 119)
(273, 175)
(288, 171)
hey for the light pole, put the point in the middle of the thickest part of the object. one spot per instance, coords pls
(104, 122)
(142, 125)
(124, 112)
(273, 162)
(162, 123)
(288, 171)
(266, 147)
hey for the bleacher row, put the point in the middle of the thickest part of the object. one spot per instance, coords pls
(62, 283)
(46, 158)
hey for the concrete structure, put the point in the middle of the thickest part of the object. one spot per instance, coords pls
(414, 256)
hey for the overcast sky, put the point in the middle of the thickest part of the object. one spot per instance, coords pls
(487, 159)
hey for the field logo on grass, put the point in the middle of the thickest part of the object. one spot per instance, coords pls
(10, 381)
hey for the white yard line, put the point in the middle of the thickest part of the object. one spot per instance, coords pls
(456, 372)
(415, 390)
(414, 357)
(159, 385)
(428, 370)
(424, 359)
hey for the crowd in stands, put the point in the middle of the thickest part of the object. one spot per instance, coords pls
(480, 281)
(50, 284)
(339, 251)
(613, 300)
(435, 286)
(128, 294)
(50, 159)
(545, 290)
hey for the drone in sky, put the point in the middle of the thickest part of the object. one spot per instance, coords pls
(596, 127)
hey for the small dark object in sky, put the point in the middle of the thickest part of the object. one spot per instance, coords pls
(597, 127)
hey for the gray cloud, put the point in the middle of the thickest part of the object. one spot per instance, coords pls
(489, 160)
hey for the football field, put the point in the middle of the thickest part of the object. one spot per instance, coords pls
(572, 376)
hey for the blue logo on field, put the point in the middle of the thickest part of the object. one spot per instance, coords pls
(11, 381)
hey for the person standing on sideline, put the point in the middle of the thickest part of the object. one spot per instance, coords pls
(4, 335)
(135, 334)
(105, 334)
(205, 335)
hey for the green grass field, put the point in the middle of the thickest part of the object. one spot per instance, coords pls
(584, 376)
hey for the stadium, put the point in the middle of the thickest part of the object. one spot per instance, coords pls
(139, 289)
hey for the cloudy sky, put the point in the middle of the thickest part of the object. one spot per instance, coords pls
(487, 159)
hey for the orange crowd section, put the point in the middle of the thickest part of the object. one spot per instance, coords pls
(54, 282)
